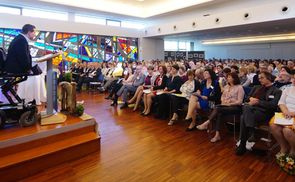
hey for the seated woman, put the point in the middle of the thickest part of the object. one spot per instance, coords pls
(285, 135)
(160, 83)
(243, 74)
(222, 80)
(177, 102)
(182, 73)
(210, 91)
(231, 100)
(148, 83)
(173, 85)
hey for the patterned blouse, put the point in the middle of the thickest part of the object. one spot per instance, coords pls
(233, 95)
(187, 88)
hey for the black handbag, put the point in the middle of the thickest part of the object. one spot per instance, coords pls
(36, 70)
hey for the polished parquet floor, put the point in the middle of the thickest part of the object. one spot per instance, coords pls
(137, 148)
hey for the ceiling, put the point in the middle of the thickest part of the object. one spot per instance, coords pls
(136, 8)
(257, 29)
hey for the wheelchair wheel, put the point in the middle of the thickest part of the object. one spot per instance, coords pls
(2, 119)
(28, 118)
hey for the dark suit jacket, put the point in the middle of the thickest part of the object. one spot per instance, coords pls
(269, 104)
(18, 58)
(163, 84)
(174, 84)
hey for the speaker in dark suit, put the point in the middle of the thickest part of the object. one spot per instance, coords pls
(18, 58)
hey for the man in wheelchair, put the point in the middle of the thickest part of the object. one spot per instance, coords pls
(16, 68)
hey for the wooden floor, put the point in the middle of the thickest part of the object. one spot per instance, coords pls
(137, 148)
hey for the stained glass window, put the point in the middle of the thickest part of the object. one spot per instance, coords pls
(82, 47)
(1, 37)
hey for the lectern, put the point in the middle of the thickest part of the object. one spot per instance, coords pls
(51, 86)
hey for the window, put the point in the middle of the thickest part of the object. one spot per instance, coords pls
(114, 23)
(10, 10)
(170, 45)
(182, 46)
(45, 14)
(134, 25)
(90, 19)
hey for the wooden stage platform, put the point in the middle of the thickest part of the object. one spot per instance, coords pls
(27, 151)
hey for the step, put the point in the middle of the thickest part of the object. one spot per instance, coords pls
(34, 143)
(46, 149)
(27, 151)
(27, 163)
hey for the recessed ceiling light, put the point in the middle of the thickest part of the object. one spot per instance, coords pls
(267, 38)
(140, 0)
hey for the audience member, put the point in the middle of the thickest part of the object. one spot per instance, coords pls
(231, 100)
(260, 107)
(209, 93)
(285, 135)
(177, 101)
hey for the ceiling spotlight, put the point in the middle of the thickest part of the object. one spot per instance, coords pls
(246, 15)
(284, 9)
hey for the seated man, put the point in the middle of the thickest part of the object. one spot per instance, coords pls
(138, 79)
(260, 107)
(93, 75)
(19, 59)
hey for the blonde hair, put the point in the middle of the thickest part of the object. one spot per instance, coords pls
(244, 70)
(251, 69)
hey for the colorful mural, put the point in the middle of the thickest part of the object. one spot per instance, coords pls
(91, 48)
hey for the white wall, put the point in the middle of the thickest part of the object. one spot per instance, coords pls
(150, 48)
(231, 15)
(17, 21)
(284, 50)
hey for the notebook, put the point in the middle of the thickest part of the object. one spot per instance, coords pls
(281, 120)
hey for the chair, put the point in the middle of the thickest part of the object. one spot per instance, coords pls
(93, 86)
(266, 140)
(233, 123)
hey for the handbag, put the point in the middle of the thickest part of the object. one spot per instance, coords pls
(211, 103)
(36, 70)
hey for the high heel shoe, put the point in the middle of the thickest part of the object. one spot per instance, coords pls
(215, 139)
(171, 122)
(201, 127)
(188, 120)
(146, 114)
(191, 127)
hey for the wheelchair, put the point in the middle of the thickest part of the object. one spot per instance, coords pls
(16, 110)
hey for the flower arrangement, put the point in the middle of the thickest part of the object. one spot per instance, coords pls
(57, 60)
(79, 110)
(287, 163)
(64, 56)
